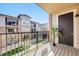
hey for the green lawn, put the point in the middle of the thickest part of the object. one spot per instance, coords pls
(14, 51)
(21, 48)
(43, 41)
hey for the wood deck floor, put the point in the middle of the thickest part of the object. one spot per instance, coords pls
(65, 50)
(58, 50)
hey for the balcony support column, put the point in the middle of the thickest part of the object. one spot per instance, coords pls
(50, 25)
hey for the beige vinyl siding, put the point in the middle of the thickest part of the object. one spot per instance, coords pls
(2, 21)
(2, 29)
(77, 41)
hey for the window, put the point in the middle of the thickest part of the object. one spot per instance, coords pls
(34, 25)
(11, 21)
(10, 30)
(33, 30)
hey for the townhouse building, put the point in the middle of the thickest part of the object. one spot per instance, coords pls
(8, 24)
(25, 25)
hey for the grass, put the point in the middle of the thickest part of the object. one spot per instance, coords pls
(14, 51)
(21, 48)
(36, 42)
(44, 41)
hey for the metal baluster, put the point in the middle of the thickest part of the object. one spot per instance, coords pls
(21, 42)
(1, 45)
(15, 43)
(18, 42)
(48, 36)
(37, 39)
(11, 43)
(6, 43)
(29, 41)
(24, 43)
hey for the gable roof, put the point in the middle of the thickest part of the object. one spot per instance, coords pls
(23, 15)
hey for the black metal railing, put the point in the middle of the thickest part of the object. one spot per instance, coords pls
(21, 43)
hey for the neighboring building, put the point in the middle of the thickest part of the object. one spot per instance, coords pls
(25, 25)
(37, 26)
(22, 23)
(43, 27)
(8, 24)
(33, 26)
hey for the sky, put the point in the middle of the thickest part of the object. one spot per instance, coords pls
(31, 9)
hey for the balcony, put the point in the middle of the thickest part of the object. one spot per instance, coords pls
(21, 43)
(12, 24)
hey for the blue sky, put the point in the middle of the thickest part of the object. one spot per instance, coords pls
(31, 9)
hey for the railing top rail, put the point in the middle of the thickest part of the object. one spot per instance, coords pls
(23, 32)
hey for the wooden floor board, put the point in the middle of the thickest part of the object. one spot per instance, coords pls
(57, 48)
(65, 50)
(70, 52)
(59, 52)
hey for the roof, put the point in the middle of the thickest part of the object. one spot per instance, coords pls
(6, 15)
(23, 15)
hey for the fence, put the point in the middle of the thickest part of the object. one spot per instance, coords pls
(13, 44)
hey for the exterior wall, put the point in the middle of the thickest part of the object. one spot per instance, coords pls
(77, 31)
(2, 21)
(43, 27)
(12, 19)
(37, 27)
(2, 29)
(12, 26)
(77, 39)
(19, 25)
(75, 26)
(55, 23)
(25, 24)
(2, 24)
(50, 25)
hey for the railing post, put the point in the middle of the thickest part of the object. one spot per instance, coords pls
(6, 43)
(0, 45)
(37, 38)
